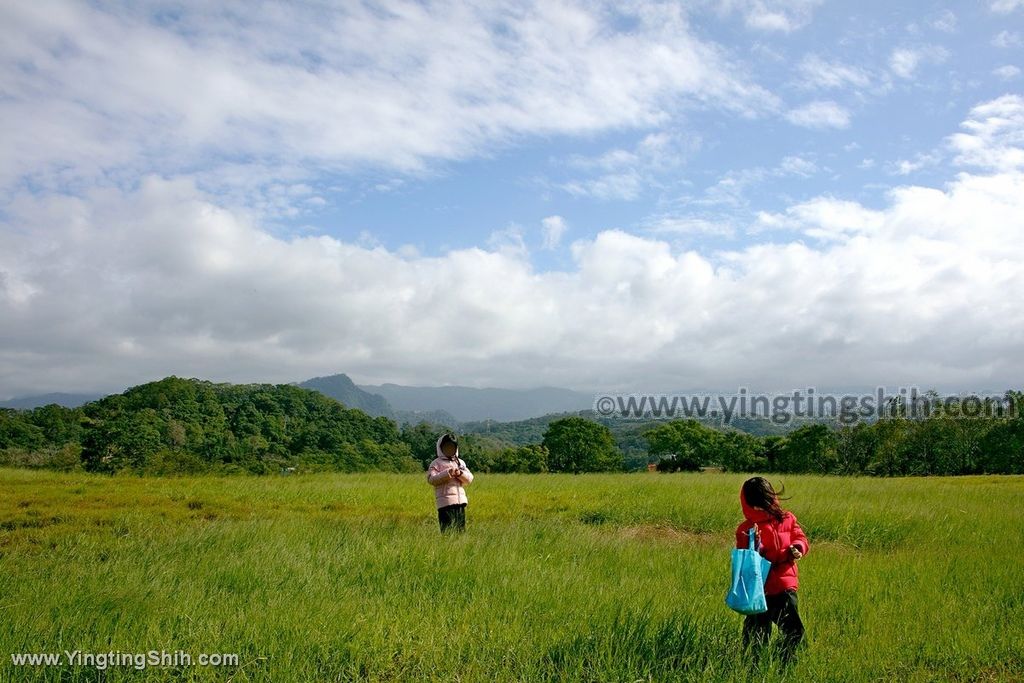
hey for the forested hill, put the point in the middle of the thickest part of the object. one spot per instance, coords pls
(184, 425)
(342, 389)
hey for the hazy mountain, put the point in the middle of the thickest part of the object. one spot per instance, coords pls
(66, 400)
(467, 404)
(436, 417)
(341, 388)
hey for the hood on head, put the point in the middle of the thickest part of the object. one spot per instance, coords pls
(437, 448)
(752, 514)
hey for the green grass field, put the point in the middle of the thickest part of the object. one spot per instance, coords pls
(559, 577)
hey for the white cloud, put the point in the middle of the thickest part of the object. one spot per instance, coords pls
(815, 72)
(176, 284)
(625, 186)
(104, 90)
(732, 187)
(825, 218)
(509, 242)
(819, 114)
(1005, 6)
(920, 161)
(766, 54)
(624, 173)
(945, 21)
(994, 137)
(1007, 72)
(660, 151)
(794, 165)
(1007, 39)
(554, 228)
(904, 62)
(774, 15)
(688, 225)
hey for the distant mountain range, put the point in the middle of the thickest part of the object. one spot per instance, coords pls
(468, 404)
(342, 389)
(66, 400)
(449, 405)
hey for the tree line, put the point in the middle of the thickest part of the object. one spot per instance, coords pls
(943, 443)
(184, 426)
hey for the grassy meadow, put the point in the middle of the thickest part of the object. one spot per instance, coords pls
(559, 577)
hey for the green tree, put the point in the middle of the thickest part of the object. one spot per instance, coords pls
(17, 432)
(575, 444)
(58, 424)
(810, 448)
(422, 441)
(683, 445)
(522, 459)
(1003, 447)
(855, 448)
(891, 447)
(740, 452)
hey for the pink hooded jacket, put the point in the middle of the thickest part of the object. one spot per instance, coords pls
(447, 489)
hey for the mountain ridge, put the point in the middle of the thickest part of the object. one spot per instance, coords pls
(469, 404)
(67, 400)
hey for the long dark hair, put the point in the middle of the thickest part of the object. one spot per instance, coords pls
(759, 493)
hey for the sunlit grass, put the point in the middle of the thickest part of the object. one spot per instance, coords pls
(593, 577)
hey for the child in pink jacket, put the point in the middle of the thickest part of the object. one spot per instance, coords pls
(449, 476)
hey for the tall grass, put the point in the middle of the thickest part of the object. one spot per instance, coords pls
(561, 578)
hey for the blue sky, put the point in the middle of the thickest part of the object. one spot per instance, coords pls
(639, 195)
(839, 56)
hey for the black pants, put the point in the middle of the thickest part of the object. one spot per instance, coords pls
(452, 517)
(757, 628)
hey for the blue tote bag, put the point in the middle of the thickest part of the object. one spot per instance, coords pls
(749, 572)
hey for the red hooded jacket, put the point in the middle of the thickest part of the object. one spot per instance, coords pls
(776, 537)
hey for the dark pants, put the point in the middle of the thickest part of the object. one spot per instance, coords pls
(452, 517)
(757, 628)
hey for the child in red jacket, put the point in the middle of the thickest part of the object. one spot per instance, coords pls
(782, 542)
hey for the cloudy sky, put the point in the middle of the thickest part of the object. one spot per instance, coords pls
(632, 195)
